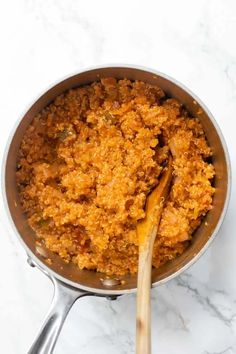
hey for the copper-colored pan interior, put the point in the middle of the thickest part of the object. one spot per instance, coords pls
(91, 280)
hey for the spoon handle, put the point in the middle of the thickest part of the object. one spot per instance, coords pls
(143, 320)
(147, 231)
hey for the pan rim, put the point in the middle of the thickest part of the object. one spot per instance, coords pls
(52, 274)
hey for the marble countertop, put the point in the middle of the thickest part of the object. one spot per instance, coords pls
(193, 41)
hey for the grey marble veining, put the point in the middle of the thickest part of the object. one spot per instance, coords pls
(193, 41)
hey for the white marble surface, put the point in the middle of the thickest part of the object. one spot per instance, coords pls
(193, 41)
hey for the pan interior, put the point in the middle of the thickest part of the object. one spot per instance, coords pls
(70, 273)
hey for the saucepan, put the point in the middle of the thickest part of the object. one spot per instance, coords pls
(69, 282)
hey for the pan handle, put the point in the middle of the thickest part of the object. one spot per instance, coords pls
(63, 299)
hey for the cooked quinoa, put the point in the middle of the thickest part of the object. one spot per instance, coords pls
(88, 161)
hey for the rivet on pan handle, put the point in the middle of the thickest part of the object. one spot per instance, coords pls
(63, 299)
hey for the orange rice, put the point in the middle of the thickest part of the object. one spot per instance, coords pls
(88, 161)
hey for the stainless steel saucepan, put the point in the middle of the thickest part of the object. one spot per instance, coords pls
(69, 282)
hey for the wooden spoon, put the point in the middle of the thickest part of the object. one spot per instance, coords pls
(147, 231)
